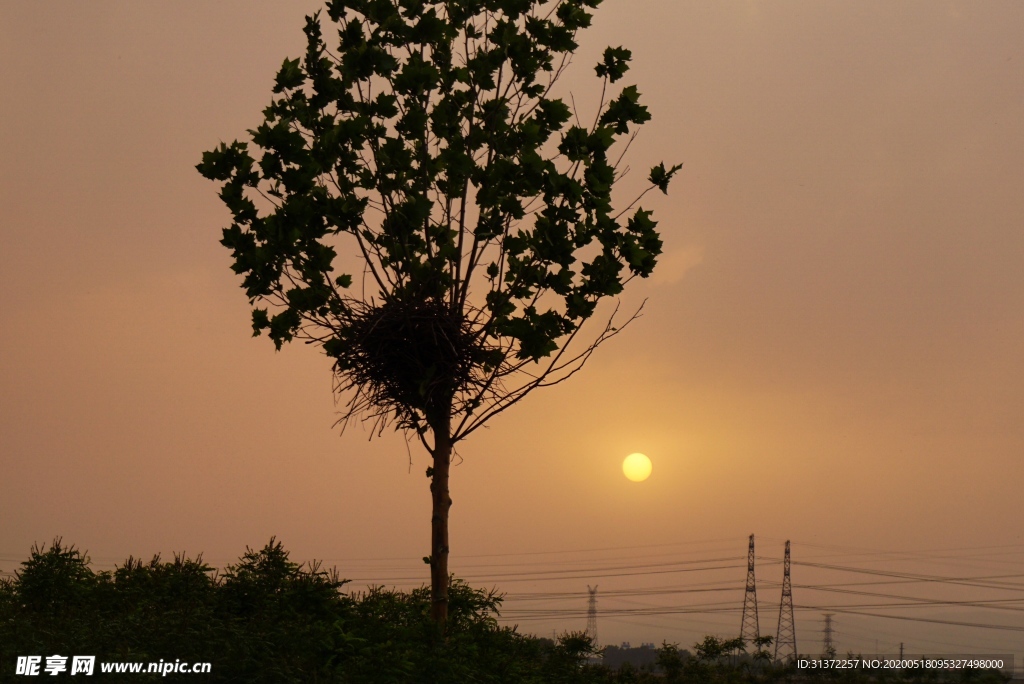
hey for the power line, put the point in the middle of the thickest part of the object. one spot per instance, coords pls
(12, 557)
(841, 609)
(994, 604)
(556, 574)
(862, 551)
(965, 581)
(573, 595)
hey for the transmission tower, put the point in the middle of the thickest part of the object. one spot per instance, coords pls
(592, 613)
(829, 648)
(785, 636)
(749, 630)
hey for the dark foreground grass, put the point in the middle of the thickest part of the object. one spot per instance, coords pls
(267, 619)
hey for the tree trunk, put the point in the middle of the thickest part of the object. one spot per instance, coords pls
(439, 521)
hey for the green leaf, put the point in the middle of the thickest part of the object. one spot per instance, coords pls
(624, 110)
(660, 177)
(614, 64)
(290, 76)
(260, 321)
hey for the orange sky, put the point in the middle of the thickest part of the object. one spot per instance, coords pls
(830, 351)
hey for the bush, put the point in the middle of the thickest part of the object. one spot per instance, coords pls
(267, 619)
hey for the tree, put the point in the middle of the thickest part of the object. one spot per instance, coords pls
(429, 144)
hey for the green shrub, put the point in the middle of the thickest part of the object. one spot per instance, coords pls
(267, 619)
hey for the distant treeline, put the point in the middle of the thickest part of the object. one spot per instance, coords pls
(267, 619)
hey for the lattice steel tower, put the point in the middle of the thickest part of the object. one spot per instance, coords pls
(829, 648)
(749, 630)
(785, 635)
(592, 613)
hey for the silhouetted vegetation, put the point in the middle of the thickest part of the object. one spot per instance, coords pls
(268, 619)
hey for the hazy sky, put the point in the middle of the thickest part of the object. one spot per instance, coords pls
(831, 350)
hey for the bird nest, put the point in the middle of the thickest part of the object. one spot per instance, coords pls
(406, 358)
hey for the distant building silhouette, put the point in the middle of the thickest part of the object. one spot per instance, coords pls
(616, 656)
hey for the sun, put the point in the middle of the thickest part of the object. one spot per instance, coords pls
(637, 467)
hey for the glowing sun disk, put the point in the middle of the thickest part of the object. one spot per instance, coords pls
(637, 467)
